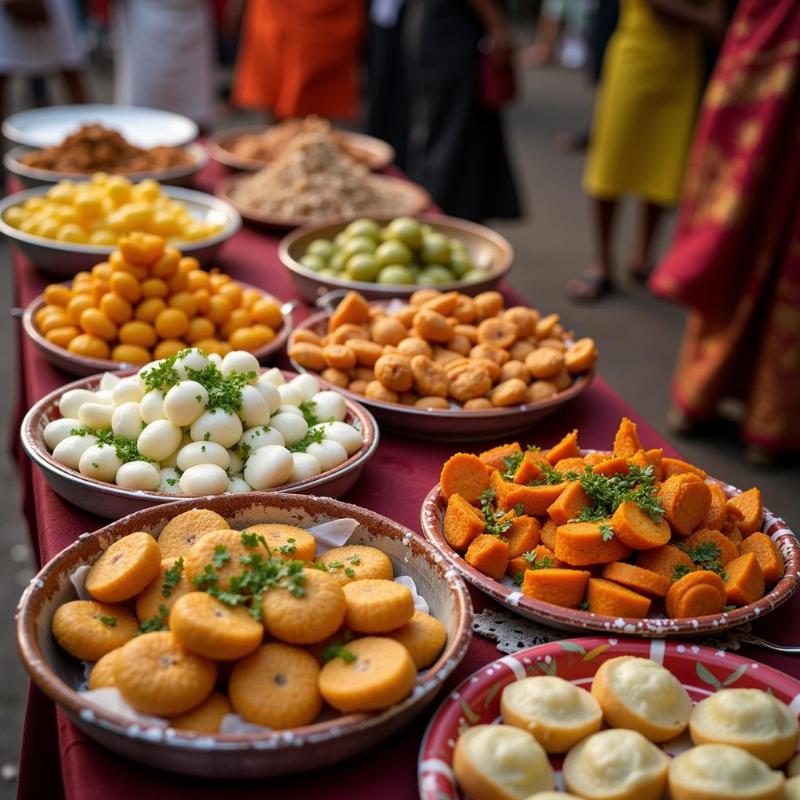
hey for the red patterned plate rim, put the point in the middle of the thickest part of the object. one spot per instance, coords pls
(702, 671)
(431, 516)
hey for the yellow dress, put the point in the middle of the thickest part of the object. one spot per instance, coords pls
(646, 107)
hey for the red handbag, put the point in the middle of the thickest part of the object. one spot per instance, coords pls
(498, 78)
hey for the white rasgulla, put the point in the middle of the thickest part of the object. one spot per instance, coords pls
(159, 439)
(341, 432)
(127, 421)
(95, 415)
(169, 480)
(143, 371)
(103, 396)
(221, 426)
(151, 406)
(236, 464)
(69, 451)
(268, 467)
(307, 384)
(290, 395)
(58, 430)
(240, 361)
(185, 402)
(255, 438)
(329, 453)
(70, 402)
(204, 479)
(289, 410)
(304, 465)
(100, 461)
(193, 359)
(269, 392)
(172, 459)
(127, 391)
(274, 376)
(140, 475)
(203, 453)
(238, 485)
(329, 405)
(254, 409)
(293, 427)
(109, 381)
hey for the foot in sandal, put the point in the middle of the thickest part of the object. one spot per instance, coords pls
(589, 286)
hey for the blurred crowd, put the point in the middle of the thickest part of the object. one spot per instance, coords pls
(696, 107)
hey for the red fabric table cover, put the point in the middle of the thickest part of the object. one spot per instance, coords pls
(56, 757)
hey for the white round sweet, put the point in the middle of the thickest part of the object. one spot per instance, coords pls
(108, 381)
(59, 429)
(290, 395)
(204, 479)
(291, 426)
(268, 467)
(347, 436)
(159, 439)
(172, 459)
(151, 406)
(290, 410)
(185, 402)
(127, 421)
(238, 485)
(143, 371)
(169, 480)
(724, 771)
(215, 358)
(615, 764)
(307, 384)
(329, 453)
(269, 393)
(70, 402)
(127, 391)
(203, 453)
(254, 438)
(95, 415)
(100, 461)
(140, 475)
(104, 396)
(236, 464)
(240, 361)
(254, 410)
(192, 359)
(304, 466)
(329, 406)
(500, 761)
(69, 450)
(221, 426)
(274, 376)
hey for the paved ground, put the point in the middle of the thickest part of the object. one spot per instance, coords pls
(637, 335)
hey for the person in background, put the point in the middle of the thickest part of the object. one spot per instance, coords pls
(643, 121)
(39, 37)
(735, 258)
(560, 34)
(164, 56)
(439, 70)
(300, 57)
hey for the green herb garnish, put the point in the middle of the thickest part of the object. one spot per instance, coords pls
(172, 577)
(308, 408)
(497, 521)
(607, 492)
(707, 556)
(680, 570)
(157, 623)
(537, 562)
(250, 539)
(125, 448)
(110, 621)
(314, 436)
(511, 463)
(221, 556)
(606, 532)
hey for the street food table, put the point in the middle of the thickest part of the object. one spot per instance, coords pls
(58, 760)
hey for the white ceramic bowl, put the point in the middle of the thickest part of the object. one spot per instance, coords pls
(111, 501)
(64, 259)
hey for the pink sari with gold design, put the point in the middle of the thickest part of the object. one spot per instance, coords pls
(735, 260)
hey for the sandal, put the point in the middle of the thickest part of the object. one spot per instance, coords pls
(589, 286)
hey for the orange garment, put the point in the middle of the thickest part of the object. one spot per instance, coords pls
(300, 57)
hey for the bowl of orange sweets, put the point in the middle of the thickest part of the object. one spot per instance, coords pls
(444, 365)
(626, 541)
(64, 227)
(149, 301)
(240, 637)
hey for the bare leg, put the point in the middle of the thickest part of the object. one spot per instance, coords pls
(650, 216)
(596, 280)
(543, 50)
(73, 85)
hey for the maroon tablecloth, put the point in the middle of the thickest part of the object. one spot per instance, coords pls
(55, 754)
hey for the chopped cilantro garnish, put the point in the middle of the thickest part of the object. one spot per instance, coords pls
(606, 532)
(314, 436)
(288, 548)
(207, 436)
(157, 623)
(250, 539)
(680, 570)
(337, 650)
(537, 562)
(125, 448)
(221, 556)
(355, 559)
(511, 463)
(584, 606)
(350, 572)
(518, 578)
(707, 556)
(607, 492)
(110, 621)
(308, 408)
(497, 521)
(172, 577)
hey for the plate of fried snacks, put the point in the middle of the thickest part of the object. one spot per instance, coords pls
(251, 148)
(94, 148)
(601, 718)
(244, 636)
(444, 365)
(625, 541)
(314, 180)
(145, 302)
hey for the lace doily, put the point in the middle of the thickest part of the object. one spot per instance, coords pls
(512, 633)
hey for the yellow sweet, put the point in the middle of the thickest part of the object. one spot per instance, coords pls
(377, 606)
(163, 591)
(355, 562)
(124, 569)
(219, 553)
(88, 630)
(205, 718)
(423, 636)
(181, 532)
(102, 674)
(286, 541)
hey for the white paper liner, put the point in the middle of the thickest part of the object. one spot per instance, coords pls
(334, 533)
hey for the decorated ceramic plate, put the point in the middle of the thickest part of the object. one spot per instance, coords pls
(701, 670)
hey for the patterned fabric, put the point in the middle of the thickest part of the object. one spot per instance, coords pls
(735, 260)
